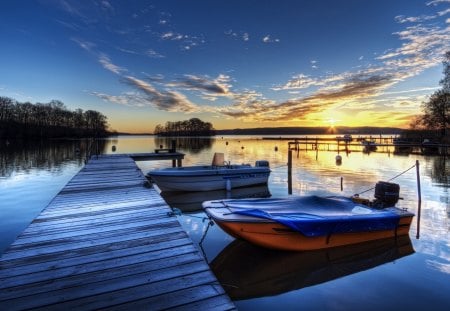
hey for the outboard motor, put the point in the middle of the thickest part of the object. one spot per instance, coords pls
(387, 193)
(262, 163)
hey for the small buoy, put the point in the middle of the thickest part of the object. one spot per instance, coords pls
(226, 143)
(276, 148)
(228, 186)
(338, 160)
(242, 147)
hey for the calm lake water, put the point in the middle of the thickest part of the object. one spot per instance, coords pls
(411, 273)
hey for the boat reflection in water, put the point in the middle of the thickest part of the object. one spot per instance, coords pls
(247, 271)
(192, 201)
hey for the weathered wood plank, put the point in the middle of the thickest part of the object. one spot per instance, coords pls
(51, 259)
(92, 263)
(130, 294)
(222, 302)
(197, 294)
(96, 228)
(103, 275)
(85, 241)
(45, 225)
(105, 206)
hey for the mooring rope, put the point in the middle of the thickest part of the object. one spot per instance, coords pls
(405, 171)
(210, 224)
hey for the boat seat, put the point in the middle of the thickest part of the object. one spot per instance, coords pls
(218, 159)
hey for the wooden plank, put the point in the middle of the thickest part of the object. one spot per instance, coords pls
(222, 302)
(103, 275)
(84, 241)
(53, 258)
(197, 294)
(130, 294)
(62, 221)
(123, 224)
(94, 264)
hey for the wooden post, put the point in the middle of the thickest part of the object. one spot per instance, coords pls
(289, 171)
(342, 183)
(174, 163)
(173, 148)
(419, 194)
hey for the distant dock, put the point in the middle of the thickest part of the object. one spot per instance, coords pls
(107, 241)
(387, 144)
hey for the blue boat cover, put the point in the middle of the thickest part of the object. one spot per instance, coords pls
(318, 216)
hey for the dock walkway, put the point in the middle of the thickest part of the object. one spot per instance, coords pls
(107, 242)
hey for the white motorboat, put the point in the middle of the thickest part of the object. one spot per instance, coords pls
(218, 175)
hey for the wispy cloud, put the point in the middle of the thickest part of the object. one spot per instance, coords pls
(146, 95)
(413, 19)
(269, 39)
(85, 45)
(300, 81)
(163, 100)
(187, 42)
(210, 89)
(170, 35)
(107, 64)
(436, 2)
(241, 35)
(153, 54)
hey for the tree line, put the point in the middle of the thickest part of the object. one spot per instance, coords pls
(48, 120)
(191, 127)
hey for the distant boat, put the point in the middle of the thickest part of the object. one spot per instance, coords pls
(369, 145)
(219, 175)
(429, 148)
(311, 222)
(402, 146)
(346, 138)
(250, 271)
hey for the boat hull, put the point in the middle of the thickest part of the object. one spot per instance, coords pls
(214, 179)
(277, 236)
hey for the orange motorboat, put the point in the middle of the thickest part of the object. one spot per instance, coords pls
(309, 222)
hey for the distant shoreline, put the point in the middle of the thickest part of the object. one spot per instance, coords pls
(365, 130)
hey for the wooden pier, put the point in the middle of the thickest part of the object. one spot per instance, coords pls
(107, 241)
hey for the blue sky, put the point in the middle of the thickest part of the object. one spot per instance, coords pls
(234, 63)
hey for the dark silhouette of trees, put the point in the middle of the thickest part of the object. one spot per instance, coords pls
(191, 127)
(436, 111)
(49, 120)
